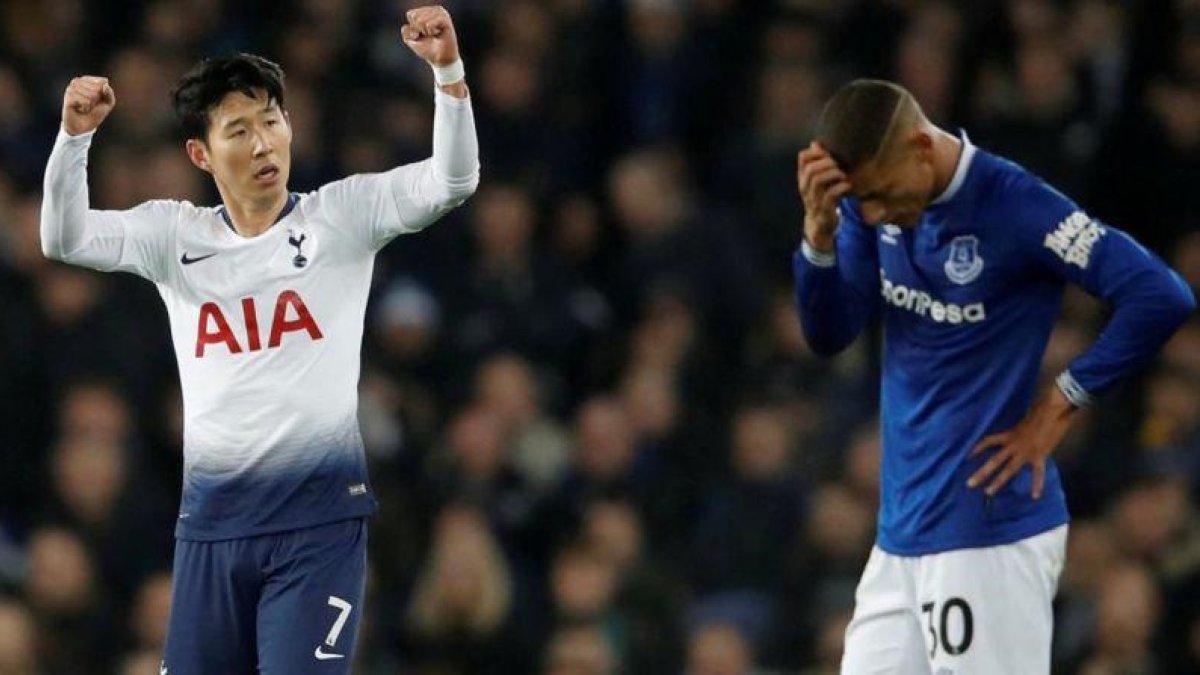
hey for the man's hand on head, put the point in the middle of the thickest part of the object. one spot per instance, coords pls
(821, 185)
(86, 103)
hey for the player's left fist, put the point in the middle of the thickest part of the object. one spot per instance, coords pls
(430, 34)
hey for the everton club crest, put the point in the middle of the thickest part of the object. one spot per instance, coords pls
(964, 264)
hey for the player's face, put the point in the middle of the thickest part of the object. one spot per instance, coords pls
(895, 188)
(249, 147)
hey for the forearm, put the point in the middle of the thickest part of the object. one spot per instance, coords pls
(455, 144)
(832, 311)
(64, 220)
(424, 191)
(427, 189)
(1151, 305)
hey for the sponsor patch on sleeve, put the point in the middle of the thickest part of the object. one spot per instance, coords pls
(1074, 238)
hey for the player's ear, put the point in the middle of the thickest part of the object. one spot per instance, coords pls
(197, 151)
(921, 140)
(918, 146)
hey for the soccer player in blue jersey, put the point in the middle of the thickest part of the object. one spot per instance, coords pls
(965, 255)
(266, 295)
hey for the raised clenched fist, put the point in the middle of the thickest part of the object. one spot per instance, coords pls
(430, 34)
(86, 102)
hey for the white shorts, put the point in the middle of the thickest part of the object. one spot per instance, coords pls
(973, 611)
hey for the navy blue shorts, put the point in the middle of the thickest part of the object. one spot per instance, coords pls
(286, 603)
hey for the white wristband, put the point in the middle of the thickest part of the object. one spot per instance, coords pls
(1073, 391)
(450, 74)
(818, 258)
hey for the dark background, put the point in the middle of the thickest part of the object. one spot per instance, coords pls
(599, 439)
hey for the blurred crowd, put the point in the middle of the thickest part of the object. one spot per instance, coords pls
(600, 442)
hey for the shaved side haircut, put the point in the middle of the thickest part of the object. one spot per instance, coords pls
(859, 121)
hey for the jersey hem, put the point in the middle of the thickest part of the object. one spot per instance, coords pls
(182, 534)
(1031, 530)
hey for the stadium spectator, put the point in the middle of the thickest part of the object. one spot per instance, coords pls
(580, 650)
(70, 607)
(18, 639)
(624, 268)
(719, 650)
(460, 617)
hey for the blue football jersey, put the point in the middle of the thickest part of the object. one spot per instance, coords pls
(968, 299)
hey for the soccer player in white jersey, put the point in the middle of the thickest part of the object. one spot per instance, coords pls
(266, 296)
(965, 256)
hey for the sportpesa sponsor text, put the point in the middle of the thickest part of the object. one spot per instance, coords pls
(924, 304)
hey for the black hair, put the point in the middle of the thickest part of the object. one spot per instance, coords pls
(854, 123)
(208, 82)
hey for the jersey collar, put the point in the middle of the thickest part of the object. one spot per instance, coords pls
(292, 200)
(960, 171)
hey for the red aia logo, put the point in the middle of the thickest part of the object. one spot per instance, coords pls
(213, 328)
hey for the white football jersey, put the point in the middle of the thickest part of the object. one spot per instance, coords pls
(267, 333)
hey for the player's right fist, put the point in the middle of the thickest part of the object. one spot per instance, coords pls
(86, 102)
(821, 184)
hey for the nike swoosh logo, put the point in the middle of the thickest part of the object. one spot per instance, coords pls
(324, 656)
(188, 261)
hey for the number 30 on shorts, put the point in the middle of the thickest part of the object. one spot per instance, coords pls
(950, 624)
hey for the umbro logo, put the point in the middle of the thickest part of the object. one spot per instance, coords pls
(188, 261)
